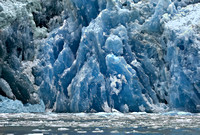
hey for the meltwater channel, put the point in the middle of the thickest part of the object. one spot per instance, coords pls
(171, 123)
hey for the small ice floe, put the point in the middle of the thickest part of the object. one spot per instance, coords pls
(41, 130)
(81, 132)
(97, 130)
(63, 129)
(114, 132)
(172, 113)
(36, 134)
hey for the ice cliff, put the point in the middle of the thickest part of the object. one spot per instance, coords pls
(99, 55)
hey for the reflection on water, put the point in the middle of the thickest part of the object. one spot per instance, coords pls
(101, 123)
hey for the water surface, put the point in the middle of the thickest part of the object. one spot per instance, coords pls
(174, 123)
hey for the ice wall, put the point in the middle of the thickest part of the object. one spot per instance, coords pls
(182, 53)
(100, 55)
(17, 35)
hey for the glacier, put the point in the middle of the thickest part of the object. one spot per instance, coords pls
(99, 55)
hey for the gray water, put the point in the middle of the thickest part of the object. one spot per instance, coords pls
(173, 123)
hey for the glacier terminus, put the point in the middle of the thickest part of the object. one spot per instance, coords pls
(99, 55)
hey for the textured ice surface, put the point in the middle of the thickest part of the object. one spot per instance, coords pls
(182, 40)
(10, 106)
(101, 55)
(18, 34)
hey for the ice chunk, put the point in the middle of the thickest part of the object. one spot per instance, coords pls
(10, 106)
(114, 45)
(5, 88)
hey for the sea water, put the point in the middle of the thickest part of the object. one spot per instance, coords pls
(172, 123)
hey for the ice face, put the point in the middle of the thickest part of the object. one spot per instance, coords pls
(103, 55)
(183, 56)
(103, 73)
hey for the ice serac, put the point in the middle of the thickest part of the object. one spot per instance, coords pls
(78, 68)
(87, 90)
(182, 41)
(59, 62)
(100, 55)
(121, 55)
